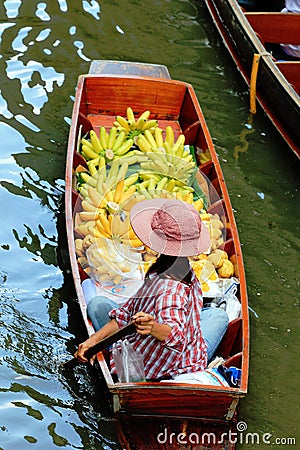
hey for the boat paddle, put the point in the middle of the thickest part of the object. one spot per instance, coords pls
(104, 343)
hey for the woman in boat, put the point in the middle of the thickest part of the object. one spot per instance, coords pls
(166, 310)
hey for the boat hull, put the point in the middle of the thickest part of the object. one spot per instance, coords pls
(277, 95)
(99, 98)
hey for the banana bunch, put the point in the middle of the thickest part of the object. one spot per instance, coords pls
(154, 185)
(134, 127)
(167, 188)
(179, 169)
(100, 150)
(204, 157)
(165, 143)
(107, 198)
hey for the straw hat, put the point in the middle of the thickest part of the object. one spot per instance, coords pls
(170, 227)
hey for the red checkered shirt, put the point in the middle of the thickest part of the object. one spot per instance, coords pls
(177, 305)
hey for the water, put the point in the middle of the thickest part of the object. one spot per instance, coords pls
(44, 47)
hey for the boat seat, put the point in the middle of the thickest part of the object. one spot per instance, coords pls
(276, 27)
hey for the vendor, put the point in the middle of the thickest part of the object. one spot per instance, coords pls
(166, 310)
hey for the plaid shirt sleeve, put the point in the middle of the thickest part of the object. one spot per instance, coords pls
(123, 313)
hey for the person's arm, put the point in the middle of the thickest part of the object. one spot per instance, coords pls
(108, 329)
(145, 324)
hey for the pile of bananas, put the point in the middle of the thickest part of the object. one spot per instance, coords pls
(106, 199)
(99, 151)
(134, 127)
(132, 161)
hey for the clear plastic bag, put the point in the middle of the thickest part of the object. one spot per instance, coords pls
(233, 306)
(113, 263)
(128, 362)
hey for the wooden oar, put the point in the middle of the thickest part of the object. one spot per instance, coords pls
(104, 343)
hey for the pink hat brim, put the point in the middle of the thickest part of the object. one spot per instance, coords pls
(141, 217)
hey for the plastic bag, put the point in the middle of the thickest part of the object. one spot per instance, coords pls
(208, 376)
(128, 362)
(113, 263)
(233, 306)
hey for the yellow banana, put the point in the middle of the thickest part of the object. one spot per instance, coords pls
(94, 196)
(101, 231)
(85, 176)
(170, 186)
(179, 143)
(88, 206)
(143, 144)
(102, 162)
(148, 135)
(103, 137)
(119, 191)
(129, 192)
(198, 204)
(88, 152)
(162, 183)
(119, 226)
(105, 224)
(158, 133)
(119, 141)
(124, 148)
(113, 172)
(99, 185)
(88, 215)
(168, 148)
(109, 196)
(142, 119)
(131, 180)
(122, 122)
(132, 242)
(92, 168)
(149, 124)
(86, 142)
(129, 201)
(83, 228)
(112, 137)
(122, 172)
(169, 137)
(189, 158)
(95, 142)
(130, 115)
(188, 198)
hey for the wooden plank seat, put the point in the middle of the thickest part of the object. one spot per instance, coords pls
(276, 27)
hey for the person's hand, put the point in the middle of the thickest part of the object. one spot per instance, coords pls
(80, 353)
(143, 322)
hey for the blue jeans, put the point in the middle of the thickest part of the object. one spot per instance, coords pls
(98, 309)
(214, 321)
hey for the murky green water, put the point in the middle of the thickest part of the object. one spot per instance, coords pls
(44, 47)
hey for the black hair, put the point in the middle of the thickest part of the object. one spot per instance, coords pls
(176, 267)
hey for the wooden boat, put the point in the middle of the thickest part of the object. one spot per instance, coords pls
(101, 95)
(249, 36)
